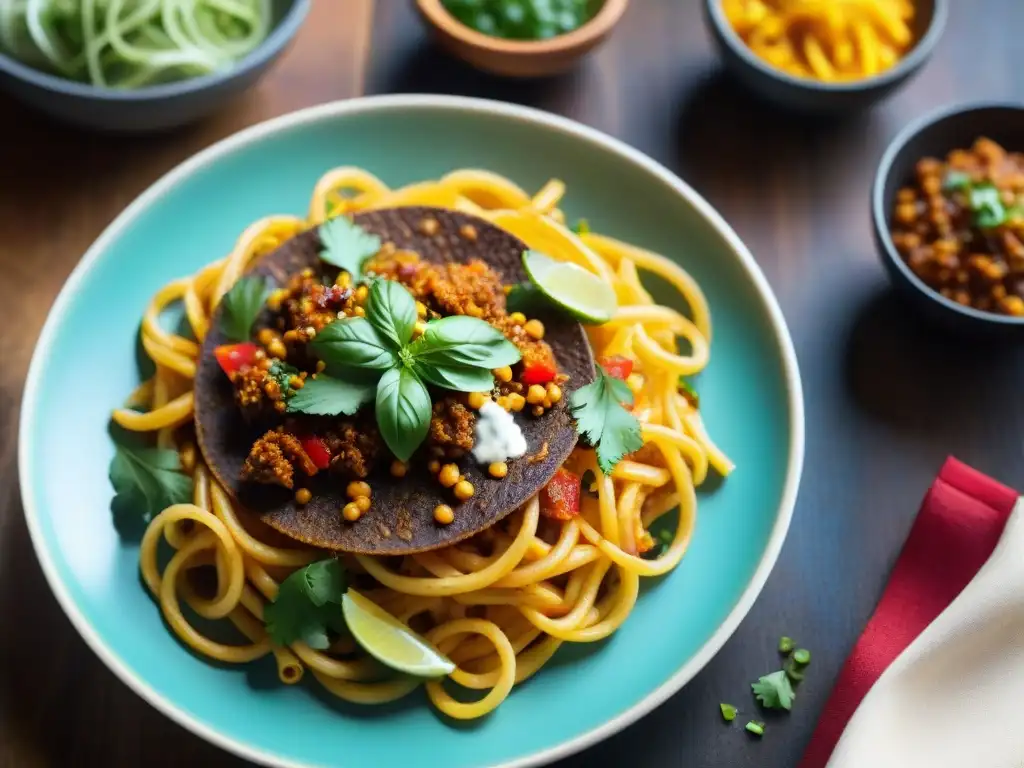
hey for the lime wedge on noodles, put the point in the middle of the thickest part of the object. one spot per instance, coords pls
(579, 292)
(390, 641)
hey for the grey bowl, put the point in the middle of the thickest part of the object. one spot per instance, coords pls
(934, 136)
(158, 107)
(804, 95)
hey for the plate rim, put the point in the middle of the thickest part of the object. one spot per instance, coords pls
(336, 109)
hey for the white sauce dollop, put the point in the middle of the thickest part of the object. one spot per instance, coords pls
(498, 437)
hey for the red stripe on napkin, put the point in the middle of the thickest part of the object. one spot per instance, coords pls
(957, 528)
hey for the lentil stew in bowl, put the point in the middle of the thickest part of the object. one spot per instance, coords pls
(960, 226)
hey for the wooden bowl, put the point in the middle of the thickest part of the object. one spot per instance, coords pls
(519, 58)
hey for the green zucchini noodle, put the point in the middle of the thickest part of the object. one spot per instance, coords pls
(132, 43)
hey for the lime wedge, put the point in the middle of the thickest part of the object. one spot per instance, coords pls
(579, 292)
(389, 641)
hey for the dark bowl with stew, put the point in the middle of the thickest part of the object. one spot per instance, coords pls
(801, 94)
(990, 248)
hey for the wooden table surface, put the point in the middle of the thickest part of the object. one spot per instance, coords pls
(886, 400)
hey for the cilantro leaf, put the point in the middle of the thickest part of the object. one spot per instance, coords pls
(603, 422)
(774, 691)
(689, 392)
(346, 245)
(282, 373)
(308, 604)
(242, 305)
(956, 180)
(328, 396)
(147, 481)
(987, 204)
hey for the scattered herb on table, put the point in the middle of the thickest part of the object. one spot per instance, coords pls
(241, 307)
(785, 644)
(728, 712)
(756, 727)
(308, 604)
(774, 691)
(603, 421)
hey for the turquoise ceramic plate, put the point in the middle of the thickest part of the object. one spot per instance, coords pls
(751, 395)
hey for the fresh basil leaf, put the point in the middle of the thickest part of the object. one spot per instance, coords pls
(462, 340)
(353, 342)
(147, 481)
(987, 205)
(346, 245)
(956, 180)
(242, 305)
(603, 422)
(403, 411)
(328, 396)
(459, 378)
(392, 311)
(308, 603)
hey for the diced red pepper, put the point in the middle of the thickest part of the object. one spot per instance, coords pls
(317, 451)
(538, 373)
(617, 366)
(560, 498)
(235, 357)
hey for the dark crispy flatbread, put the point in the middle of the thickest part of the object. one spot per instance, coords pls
(401, 519)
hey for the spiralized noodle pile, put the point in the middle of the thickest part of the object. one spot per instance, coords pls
(501, 603)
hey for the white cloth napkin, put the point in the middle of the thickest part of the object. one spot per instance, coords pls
(955, 697)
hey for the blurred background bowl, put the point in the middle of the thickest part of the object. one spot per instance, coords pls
(807, 95)
(935, 135)
(156, 107)
(520, 58)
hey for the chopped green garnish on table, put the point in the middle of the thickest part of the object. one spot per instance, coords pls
(728, 712)
(793, 670)
(785, 644)
(774, 691)
(756, 727)
(802, 657)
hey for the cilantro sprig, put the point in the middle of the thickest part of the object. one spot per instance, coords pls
(308, 605)
(603, 422)
(984, 199)
(456, 353)
(347, 245)
(242, 305)
(774, 691)
(146, 481)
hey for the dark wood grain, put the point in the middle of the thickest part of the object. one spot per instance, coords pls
(886, 401)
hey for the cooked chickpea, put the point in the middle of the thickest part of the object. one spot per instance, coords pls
(504, 402)
(463, 490)
(468, 231)
(358, 488)
(449, 475)
(361, 293)
(398, 468)
(444, 514)
(516, 402)
(265, 336)
(363, 502)
(537, 410)
(517, 317)
(477, 400)
(535, 394)
(498, 469)
(434, 466)
(554, 393)
(302, 496)
(276, 348)
(503, 374)
(534, 329)
(429, 227)
(351, 511)
(321, 366)
(359, 312)
(296, 383)
(344, 280)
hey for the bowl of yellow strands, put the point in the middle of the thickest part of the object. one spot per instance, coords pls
(131, 66)
(827, 56)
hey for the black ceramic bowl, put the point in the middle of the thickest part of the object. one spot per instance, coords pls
(934, 136)
(806, 95)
